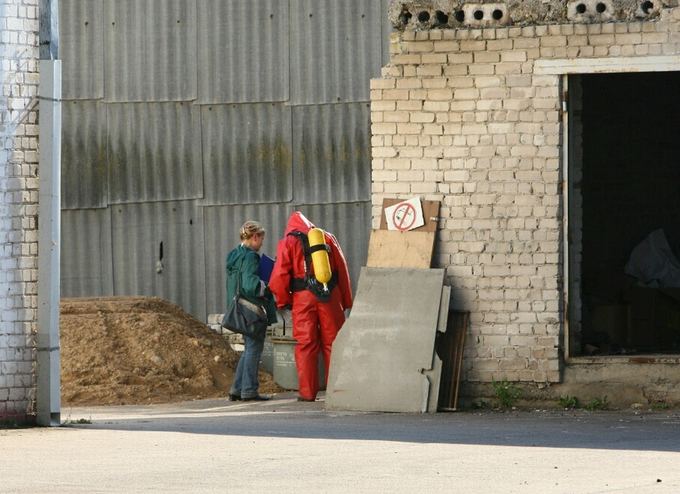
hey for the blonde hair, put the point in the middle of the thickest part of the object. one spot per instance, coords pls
(249, 229)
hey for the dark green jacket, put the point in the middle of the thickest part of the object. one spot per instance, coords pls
(246, 261)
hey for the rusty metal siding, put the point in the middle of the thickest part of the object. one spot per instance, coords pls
(242, 51)
(154, 152)
(86, 261)
(81, 38)
(332, 153)
(137, 232)
(336, 47)
(221, 228)
(150, 50)
(247, 153)
(84, 170)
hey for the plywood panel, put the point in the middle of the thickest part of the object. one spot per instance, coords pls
(394, 249)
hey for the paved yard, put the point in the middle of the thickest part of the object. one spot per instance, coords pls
(285, 446)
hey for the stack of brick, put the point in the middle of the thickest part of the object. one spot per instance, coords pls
(236, 340)
(459, 116)
(19, 207)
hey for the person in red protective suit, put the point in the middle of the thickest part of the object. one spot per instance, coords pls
(317, 314)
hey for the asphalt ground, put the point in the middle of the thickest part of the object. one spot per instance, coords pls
(286, 446)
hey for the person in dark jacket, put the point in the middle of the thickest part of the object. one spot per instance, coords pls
(242, 265)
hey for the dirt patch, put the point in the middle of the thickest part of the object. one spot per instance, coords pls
(136, 350)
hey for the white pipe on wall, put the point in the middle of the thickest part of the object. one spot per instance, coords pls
(49, 227)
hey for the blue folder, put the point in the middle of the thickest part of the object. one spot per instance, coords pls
(266, 267)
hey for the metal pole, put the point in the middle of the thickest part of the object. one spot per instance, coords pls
(49, 213)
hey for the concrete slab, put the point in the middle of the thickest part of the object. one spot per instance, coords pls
(383, 349)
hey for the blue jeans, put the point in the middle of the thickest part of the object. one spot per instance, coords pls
(245, 380)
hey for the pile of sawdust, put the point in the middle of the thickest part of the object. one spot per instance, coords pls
(136, 350)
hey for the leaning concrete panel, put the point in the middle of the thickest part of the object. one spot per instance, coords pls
(384, 348)
(434, 376)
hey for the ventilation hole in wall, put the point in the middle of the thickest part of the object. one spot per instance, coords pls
(600, 7)
(479, 15)
(497, 14)
(424, 16)
(460, 15)
(441, 18)
(581, 8)
(647, 6)
(405, 16)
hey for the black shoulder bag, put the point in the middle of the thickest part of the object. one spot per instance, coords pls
(243, 316)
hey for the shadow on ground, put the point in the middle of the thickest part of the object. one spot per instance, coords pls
(284, 417)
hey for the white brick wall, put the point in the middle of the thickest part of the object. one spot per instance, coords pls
(459, 117)
(18, 206)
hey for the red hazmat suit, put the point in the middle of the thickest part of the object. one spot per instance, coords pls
(315, 323)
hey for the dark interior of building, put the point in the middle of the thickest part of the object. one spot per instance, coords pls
(630, 213)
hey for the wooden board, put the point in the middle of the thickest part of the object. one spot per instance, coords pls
(430, 215)
(394, 249)
(450, 347)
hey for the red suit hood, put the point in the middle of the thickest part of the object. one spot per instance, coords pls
(298, 222)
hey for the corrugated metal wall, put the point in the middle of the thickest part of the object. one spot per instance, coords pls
(186, 117)
(243, 51)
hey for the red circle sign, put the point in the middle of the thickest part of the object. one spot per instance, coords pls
(404, 216)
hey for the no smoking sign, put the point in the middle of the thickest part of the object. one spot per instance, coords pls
(405, 215)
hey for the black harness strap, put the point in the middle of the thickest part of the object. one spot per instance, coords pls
(299, 284)
(318, 247)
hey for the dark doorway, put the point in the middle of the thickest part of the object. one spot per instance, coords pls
(624, 213)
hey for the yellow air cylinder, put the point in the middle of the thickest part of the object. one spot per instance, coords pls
(320, 261)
